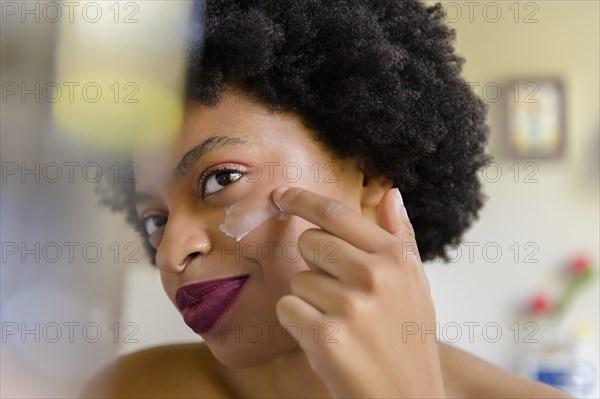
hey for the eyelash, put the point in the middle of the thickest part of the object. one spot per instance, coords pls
(225, 167)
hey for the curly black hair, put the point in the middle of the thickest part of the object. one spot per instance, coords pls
(376, 80)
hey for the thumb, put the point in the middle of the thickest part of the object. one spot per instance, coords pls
(392, 215)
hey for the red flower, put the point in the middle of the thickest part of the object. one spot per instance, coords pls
(580, 265)
(540, 304)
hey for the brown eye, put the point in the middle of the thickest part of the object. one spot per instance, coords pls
(219, 180)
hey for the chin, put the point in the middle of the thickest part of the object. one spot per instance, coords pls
(240, 354)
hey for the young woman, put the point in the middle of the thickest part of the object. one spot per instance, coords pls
(328, 149)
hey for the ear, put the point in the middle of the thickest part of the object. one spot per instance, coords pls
(373, 189)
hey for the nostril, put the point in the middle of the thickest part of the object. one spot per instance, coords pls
(189, 258)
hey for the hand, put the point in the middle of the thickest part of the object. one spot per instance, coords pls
(373, 291)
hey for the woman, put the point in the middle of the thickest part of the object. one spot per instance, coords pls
(338, 117)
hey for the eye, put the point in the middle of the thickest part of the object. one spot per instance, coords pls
(218, 179)
(154, 223)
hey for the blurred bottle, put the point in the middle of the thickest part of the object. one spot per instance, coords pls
(568, 365)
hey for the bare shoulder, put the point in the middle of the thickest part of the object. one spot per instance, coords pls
(468, 376)
(180, 370)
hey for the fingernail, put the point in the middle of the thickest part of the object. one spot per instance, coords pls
(277, 193)
(400, 203)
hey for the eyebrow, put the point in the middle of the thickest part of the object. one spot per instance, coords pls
(213, 143)
(140, 197)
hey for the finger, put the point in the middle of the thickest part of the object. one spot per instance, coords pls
(392, 215)
(333, 216)
(328, 295)
(330, 255)
(393, 218)
(296, 316)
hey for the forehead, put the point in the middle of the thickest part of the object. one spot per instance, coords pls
(235, 116)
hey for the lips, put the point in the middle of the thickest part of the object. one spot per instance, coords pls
(202, 304)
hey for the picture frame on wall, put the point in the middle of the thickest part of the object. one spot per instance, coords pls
(534, 119)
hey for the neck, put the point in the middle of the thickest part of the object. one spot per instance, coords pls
(288, 376)
(292, 376)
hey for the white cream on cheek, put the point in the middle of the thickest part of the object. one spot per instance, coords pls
(243, 217)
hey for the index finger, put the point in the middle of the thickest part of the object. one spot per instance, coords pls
(333, 216)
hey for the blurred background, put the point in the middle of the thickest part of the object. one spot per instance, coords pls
(522, 291)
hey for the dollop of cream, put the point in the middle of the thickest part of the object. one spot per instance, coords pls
(243, 217)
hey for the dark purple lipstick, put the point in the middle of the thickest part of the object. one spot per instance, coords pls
(202, 304)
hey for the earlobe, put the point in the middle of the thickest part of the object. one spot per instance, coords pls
(374, 186)
(373, 190)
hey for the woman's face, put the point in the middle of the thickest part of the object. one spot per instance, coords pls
(184, 201)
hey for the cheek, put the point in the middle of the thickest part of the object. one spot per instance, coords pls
(283, 260)
(169, 284)
(243, 217)
(277, 240)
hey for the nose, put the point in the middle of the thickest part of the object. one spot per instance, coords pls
(185, 237)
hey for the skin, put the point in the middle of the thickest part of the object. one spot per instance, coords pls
(361, 295)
